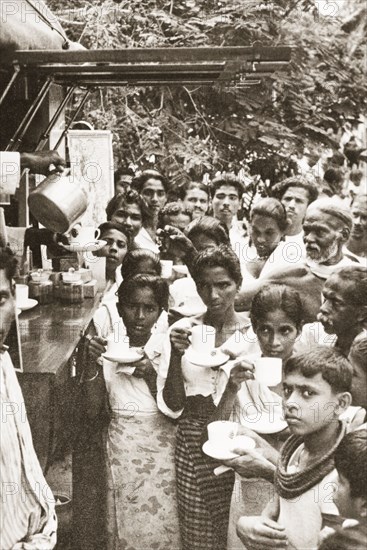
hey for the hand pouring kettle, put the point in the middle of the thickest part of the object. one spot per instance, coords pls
(58, 202)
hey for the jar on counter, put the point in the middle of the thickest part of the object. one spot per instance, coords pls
(41, 291)
(72, 293)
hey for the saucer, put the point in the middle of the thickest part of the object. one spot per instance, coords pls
(222, 452)
(128, 357)
(262, 425)
(28, 304)
(92, 246)
(212, 359)
(218, 452)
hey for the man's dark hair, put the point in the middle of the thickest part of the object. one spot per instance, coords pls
(210, 227)
(271, 208)
(131, 262)
(351, 462)
(280, 188)
(357, 277)
(222, 256)
(108, 226)
(121, 173)
(333, 366)
(138, 182)
(226, 179)
(8, 262)
(126, 197)
(192, 185)
(334, 180)
(157, 285)
(172, 209)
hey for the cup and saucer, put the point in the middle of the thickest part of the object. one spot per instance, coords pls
(119, 351)
(87, 240)
(223, 438)
(202, 351)
(23, 302)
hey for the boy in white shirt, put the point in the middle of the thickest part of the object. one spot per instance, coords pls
(316, 392)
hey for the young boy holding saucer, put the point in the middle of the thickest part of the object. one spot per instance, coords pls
(316, 392)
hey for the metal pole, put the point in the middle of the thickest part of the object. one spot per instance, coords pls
(24, 125)
(52, 122)
(89, 90)
(10, 83)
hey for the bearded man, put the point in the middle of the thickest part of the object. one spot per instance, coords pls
(327, 228)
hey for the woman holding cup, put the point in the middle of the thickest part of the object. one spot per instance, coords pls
(277, 319)
(139, 443)
(192, 393)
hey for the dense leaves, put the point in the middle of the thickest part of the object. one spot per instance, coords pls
(204, 129)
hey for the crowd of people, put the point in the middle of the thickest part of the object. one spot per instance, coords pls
(289, 282)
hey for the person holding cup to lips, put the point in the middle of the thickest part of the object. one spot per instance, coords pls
(192, 393)
(277, 319)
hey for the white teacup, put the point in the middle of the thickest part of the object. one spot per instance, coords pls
(86, 235)
(221, 430)
(116, 346)
(268, 370)
(21, 293)
(166, 266)
(203, 338)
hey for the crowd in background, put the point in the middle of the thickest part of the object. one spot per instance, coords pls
(284, 278)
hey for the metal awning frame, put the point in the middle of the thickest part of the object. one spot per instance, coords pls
(91, 69)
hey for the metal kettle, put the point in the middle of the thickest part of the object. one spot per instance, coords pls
(58, 202)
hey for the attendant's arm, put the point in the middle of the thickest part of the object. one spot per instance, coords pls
(39, 162)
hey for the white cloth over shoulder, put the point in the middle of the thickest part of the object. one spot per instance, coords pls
(286, 255)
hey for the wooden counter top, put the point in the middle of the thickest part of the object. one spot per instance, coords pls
(49, 336)
(50, 333)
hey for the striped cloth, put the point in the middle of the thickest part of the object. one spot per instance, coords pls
(27, 520)
(203, 498)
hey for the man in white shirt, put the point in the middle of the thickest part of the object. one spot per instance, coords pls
(12, 164)
(295, 193)
(27, 519)
(226, 193)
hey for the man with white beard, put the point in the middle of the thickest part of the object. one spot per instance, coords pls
(327, 228)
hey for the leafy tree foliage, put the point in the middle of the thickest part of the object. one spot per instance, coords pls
(193, 130)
